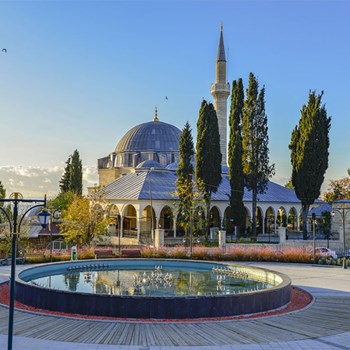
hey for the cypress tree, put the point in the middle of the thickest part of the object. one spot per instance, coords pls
(76, 174)
(2, 193)
(255, 144)
(309, 153)
(235, 151)
(208, 155)
(184, 182)
(65, 179)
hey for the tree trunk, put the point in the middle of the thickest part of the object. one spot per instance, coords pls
(254, 197)
(207, 221)
(305, 211)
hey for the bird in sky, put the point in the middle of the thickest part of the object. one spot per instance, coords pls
(166, 97)
(4, 50)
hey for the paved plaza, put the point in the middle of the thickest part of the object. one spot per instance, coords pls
(325, 324)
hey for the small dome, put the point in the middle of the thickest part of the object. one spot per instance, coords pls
(148, 164)
(172, 166)
(151, 136)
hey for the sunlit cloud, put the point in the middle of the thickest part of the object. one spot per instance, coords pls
(38, 181)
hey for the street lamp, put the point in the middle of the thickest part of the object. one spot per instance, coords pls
(313, 219)
(44, 219)
(343, 211)
(15, 199)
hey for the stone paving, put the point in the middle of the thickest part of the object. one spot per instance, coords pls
(324, 283)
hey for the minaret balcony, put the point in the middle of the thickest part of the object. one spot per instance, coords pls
(218, 88)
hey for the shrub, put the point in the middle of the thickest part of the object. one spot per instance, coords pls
(178, 252)
(161, 253)
(35, 259)
(217, 254)
(199, 253)
(86, 253)
(297, 254)
(147, 252)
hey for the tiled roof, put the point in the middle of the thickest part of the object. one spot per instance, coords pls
(163, 185)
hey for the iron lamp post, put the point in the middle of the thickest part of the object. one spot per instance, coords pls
(343, 211)
(16, 198)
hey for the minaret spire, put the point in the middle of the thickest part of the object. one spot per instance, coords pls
(220, 91)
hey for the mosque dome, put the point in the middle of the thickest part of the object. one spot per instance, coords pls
(150, 164)
(152, 136)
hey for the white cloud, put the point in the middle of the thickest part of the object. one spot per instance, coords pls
(37, 181)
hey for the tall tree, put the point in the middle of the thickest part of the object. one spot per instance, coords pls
(184, 182)
(76, 174)
(235, 153)
(256, 167)
(208, 155)
(65, 179)
(309, 153)
(2, 192)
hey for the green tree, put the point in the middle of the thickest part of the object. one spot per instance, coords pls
(309, 153)
(289, 184)
(184, 182)
(325, 225)
(256, 167)
(208, 156)
(65, 179)
(61, 201)
(338, 189)
(2, 193)
(235, 153)
(76, 174)
(82, 221)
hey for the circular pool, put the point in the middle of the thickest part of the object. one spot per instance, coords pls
(152, 288)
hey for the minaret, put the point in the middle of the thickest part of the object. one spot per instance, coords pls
(221, 91)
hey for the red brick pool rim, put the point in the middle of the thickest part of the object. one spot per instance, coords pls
(300, 299)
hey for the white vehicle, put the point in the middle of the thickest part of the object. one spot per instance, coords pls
(326, 252)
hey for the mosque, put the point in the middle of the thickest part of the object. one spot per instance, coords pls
(139, 180)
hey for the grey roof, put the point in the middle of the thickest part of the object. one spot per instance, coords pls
(318, 210)
(163, 184)
(221, 49)
(173, 166)
(149, 164)
(151, 136)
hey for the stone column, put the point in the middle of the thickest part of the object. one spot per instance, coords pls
(282, 234)
(159, 238)
(222, 239)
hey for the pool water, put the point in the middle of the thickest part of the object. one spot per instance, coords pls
(155, 281)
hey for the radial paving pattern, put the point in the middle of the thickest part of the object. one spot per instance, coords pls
(319, 320)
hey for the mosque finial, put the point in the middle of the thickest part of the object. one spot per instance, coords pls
(221, 26)
(155, 119)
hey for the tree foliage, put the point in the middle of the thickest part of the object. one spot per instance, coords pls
(76, 174)
(289, 184)
(208, 155)
(338, 189)
(72, 178)
(65, 179)
(184, 182)
(2, 193)
(235, 154)
(256, 167)
(61, 201)
(82, 221)
(309, 153)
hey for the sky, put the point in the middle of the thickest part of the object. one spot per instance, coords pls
(80, 74)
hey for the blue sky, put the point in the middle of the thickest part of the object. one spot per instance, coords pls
(79, 74)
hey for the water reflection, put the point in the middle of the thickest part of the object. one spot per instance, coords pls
(152, 282)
